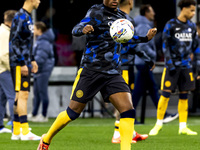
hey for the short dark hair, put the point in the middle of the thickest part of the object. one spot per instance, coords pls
(9, 15)
(186, 3)
(144, 8)
(41, 25)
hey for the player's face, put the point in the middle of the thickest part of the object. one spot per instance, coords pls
(111, 3)
(36, 3)
(189, 11)
(150, 14)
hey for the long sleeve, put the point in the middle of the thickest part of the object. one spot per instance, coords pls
(16, 40)
(196, 51)
(91, 18)
(166, 50)
(138, 39)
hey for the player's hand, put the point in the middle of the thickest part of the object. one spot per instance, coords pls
(88, 29)
(198, 77)
(24, 70)
(151, 33)
(152, 68)
(34, 67)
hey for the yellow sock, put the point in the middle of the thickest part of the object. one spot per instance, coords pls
(183, 110)
(126, 132)
(162, 107)
(61, 121)
(25, 128)
(16, 127)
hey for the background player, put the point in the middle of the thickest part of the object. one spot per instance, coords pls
(145, 80)
(179, 41)
(21, 61)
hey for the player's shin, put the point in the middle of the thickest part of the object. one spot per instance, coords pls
(126, 129)
(162, 105)
(183, 109)
(16, 122)
(61, 121)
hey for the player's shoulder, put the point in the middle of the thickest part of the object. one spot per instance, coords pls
(21, 15)
(191, 24)
(172, 21)
(97, 7)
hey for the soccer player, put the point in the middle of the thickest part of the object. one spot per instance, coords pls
(128, 52)
(22, 63)
(99, 71)
(179, 41)
(145, 78)
(6, 86)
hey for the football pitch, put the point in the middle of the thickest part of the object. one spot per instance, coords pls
(96, 134)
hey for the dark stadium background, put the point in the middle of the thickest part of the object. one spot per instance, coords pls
(70, 12)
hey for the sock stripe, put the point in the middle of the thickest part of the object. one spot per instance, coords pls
(128, 114)
(72, 114)
(116, 127)
(23, 119)
(166, 94)
(183, 96)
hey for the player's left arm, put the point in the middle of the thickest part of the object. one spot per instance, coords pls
(143, 39)
(87, 24)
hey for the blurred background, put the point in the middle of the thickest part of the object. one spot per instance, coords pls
(62, 16)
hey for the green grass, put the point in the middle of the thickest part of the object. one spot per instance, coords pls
(96, 134)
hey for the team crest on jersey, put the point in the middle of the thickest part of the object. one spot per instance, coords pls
(79, 93)
(25, 84)
(167, 83)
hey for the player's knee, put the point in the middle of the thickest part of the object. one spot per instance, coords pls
(23, 95)
(72, 114)
(128, 114)
(166, 94)
(183, 96)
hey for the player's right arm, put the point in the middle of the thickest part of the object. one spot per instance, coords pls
(16, 39)
(86, 26)
(16, 42)
(166, 49)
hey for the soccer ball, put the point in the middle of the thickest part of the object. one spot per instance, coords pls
(121, 30)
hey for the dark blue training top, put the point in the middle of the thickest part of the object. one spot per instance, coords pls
(21, 39)
(102, 53)
(179, 41)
